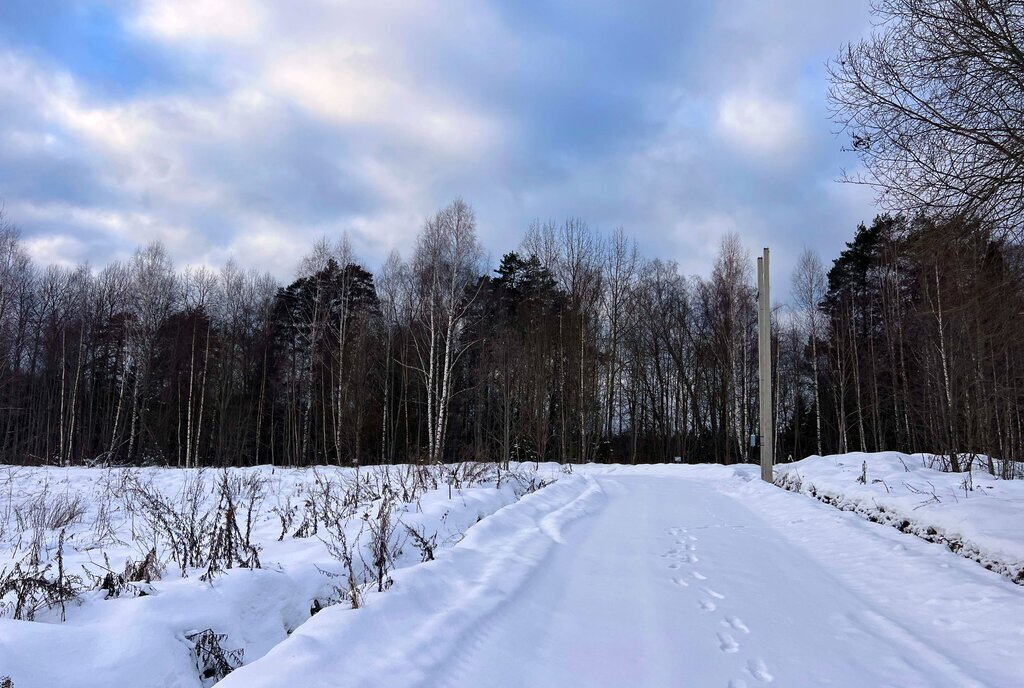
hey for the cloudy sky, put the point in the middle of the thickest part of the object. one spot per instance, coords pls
(249, 128)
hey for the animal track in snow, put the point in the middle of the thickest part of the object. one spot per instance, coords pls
(728, 644)
(759, 670)
(680, 582)
(698, 575)
(715, 594)
(707, 605)
(736, 624)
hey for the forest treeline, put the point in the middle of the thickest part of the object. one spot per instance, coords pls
(571, 348)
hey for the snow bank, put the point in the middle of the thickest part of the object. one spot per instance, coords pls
(147, 636)
(432, 608)
(972, 513)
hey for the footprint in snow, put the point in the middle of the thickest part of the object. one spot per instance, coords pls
(759, 670)
(736, 624)
(673, 565)
(680, 582)
(728, 644)
(692, 558)
(715, 594)
(698, 575)
(708, 605)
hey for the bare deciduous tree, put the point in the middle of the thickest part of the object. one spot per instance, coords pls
(809, 287)
(445, 272)
(934, 105)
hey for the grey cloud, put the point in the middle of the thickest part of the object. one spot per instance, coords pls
(605, 111)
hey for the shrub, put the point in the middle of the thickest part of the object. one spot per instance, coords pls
(213, 661)
(28, 588)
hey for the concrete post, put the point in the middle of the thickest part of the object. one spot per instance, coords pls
(764, 367)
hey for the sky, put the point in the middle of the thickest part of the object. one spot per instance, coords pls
(248, 129)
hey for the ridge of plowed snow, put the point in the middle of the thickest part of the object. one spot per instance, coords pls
(974, 514)
(430, 608)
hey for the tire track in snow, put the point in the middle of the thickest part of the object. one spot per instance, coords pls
(455, 666)
(434, 609)
(604, 610)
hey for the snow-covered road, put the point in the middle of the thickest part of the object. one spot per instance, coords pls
(671, 577)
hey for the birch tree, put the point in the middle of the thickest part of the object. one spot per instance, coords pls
(809, 287)
(445, 272)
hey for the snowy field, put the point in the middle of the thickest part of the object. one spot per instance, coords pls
(165, 577)
(602, 576)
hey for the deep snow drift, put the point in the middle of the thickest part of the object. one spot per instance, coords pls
(608, 576)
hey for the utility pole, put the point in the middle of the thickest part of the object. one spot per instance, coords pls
(764, 367)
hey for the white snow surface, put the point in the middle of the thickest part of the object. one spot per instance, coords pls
(612, 576)
(142, 641)
(975, 514)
